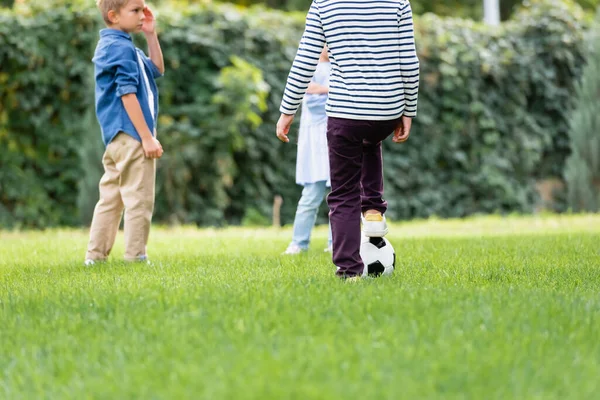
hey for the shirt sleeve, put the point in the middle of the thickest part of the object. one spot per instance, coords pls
(123, 61)
(409, 63)
(305, 62)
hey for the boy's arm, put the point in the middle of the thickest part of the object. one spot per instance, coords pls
(409, 63)
(302, 71)
(305, 62)
(152, 147)
(154, 50)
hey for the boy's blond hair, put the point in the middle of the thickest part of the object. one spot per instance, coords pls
(106, 5)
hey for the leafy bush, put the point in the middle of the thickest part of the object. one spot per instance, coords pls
(493, 110)
(45, 87)
(492, 118)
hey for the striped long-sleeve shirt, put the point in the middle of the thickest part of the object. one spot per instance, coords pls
(375, 69)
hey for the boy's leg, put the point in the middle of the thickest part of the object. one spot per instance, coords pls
(372, 178)
(306, 213)
(344, 138)
(108, 211)
(137, 190)
(329, 237)
(372, 170)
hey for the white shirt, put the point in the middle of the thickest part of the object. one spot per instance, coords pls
(312, 164)
(147, 84)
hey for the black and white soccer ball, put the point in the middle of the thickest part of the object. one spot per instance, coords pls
(378, 255)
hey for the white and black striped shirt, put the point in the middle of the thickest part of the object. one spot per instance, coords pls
(375, 69)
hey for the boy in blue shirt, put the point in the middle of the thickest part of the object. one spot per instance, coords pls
(127, 109)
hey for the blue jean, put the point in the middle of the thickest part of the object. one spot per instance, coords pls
(306, 213)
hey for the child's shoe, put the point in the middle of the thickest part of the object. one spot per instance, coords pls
(89, 262)
(143, 259)
(328, 249)
(374, 225)
(293, 249)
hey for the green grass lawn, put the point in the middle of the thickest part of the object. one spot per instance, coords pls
(486, 308)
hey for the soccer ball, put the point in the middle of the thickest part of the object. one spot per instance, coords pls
(378, 256)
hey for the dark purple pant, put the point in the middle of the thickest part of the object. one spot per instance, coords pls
(356, 168)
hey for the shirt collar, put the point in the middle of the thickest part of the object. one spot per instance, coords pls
(114, 32)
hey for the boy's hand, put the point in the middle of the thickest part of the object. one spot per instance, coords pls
(402, 131)
(149, 25)
(315, 88)
(283, 127)
(152, 148)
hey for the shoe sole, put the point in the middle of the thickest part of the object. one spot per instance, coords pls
(376, 233)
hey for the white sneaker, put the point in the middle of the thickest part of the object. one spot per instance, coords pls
(143, 259)
(328, 249)
(293, 249)
(89, 262)
(374, 225)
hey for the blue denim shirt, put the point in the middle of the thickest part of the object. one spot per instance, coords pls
(117, 72)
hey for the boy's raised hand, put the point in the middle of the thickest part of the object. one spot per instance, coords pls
(283, 127)
(149, 25)
(152, 148)
(402, 131)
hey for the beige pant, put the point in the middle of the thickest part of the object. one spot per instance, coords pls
(128, 182)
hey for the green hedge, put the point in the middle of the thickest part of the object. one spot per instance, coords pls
(44, 89)
(492, 115)
(493, 112)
